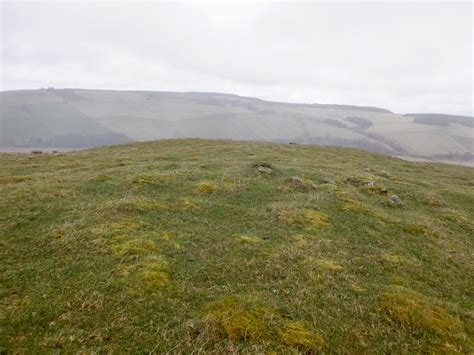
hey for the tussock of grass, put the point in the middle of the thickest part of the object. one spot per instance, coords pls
(149, 274)
(350, 204)
(419, 229)
(307, 218)
(148, 180)
(61, 232)
(415, 311)
(433, 200)
(359, 180)
(376, 189)
(13, 179)
(246, 318)
(297, 334)
(313, 219)
(206, 187)
(120, 227)
(137, 204)
(60, 193)
(101, 178)
(300, 239)
(383, 173)
(397, 259)
(327, 187)
(126, 224)
(297, 184)
(239, 318)
(135, 246)
(153, 279)
(233, 185)
(328, 264)
(187, 203)
(458, 218)
(286, 216)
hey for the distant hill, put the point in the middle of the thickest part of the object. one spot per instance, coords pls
(86, 118)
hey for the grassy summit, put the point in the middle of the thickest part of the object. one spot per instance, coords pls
(194, 245)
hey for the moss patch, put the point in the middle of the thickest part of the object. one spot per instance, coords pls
(135, 246)
(239, 318)
(146, 275)
(313, 219)
(206, 187)
(245, 318)
(434, 200)
(419, 229)
(418, 312)
(298, 334)
(13, 179)
(138, 204)
(328, 264)
(307, 218)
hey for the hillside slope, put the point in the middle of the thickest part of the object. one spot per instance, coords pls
(30, 118)
(217, 246)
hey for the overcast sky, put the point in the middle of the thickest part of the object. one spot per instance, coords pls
(407, 57)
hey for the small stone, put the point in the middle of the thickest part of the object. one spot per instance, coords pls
(371, 183)
(296, 180)
(265, 170)
(326, 180)
(394, 200)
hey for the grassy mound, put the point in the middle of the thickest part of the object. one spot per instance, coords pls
(216, 246)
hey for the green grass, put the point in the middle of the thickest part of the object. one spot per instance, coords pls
(184, 245)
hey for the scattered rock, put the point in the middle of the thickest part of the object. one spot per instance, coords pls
(296, 180)
(265, 170)
(394, 200)
(326, 180)
(296, 183)
(36, 152)
(371, 183)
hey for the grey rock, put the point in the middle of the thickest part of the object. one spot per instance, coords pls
(265, 169)
(296, 180)
(326, 180)
(394, 200)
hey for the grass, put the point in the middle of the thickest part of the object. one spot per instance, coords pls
(215, 246)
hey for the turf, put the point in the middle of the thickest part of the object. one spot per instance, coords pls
(212, 246)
